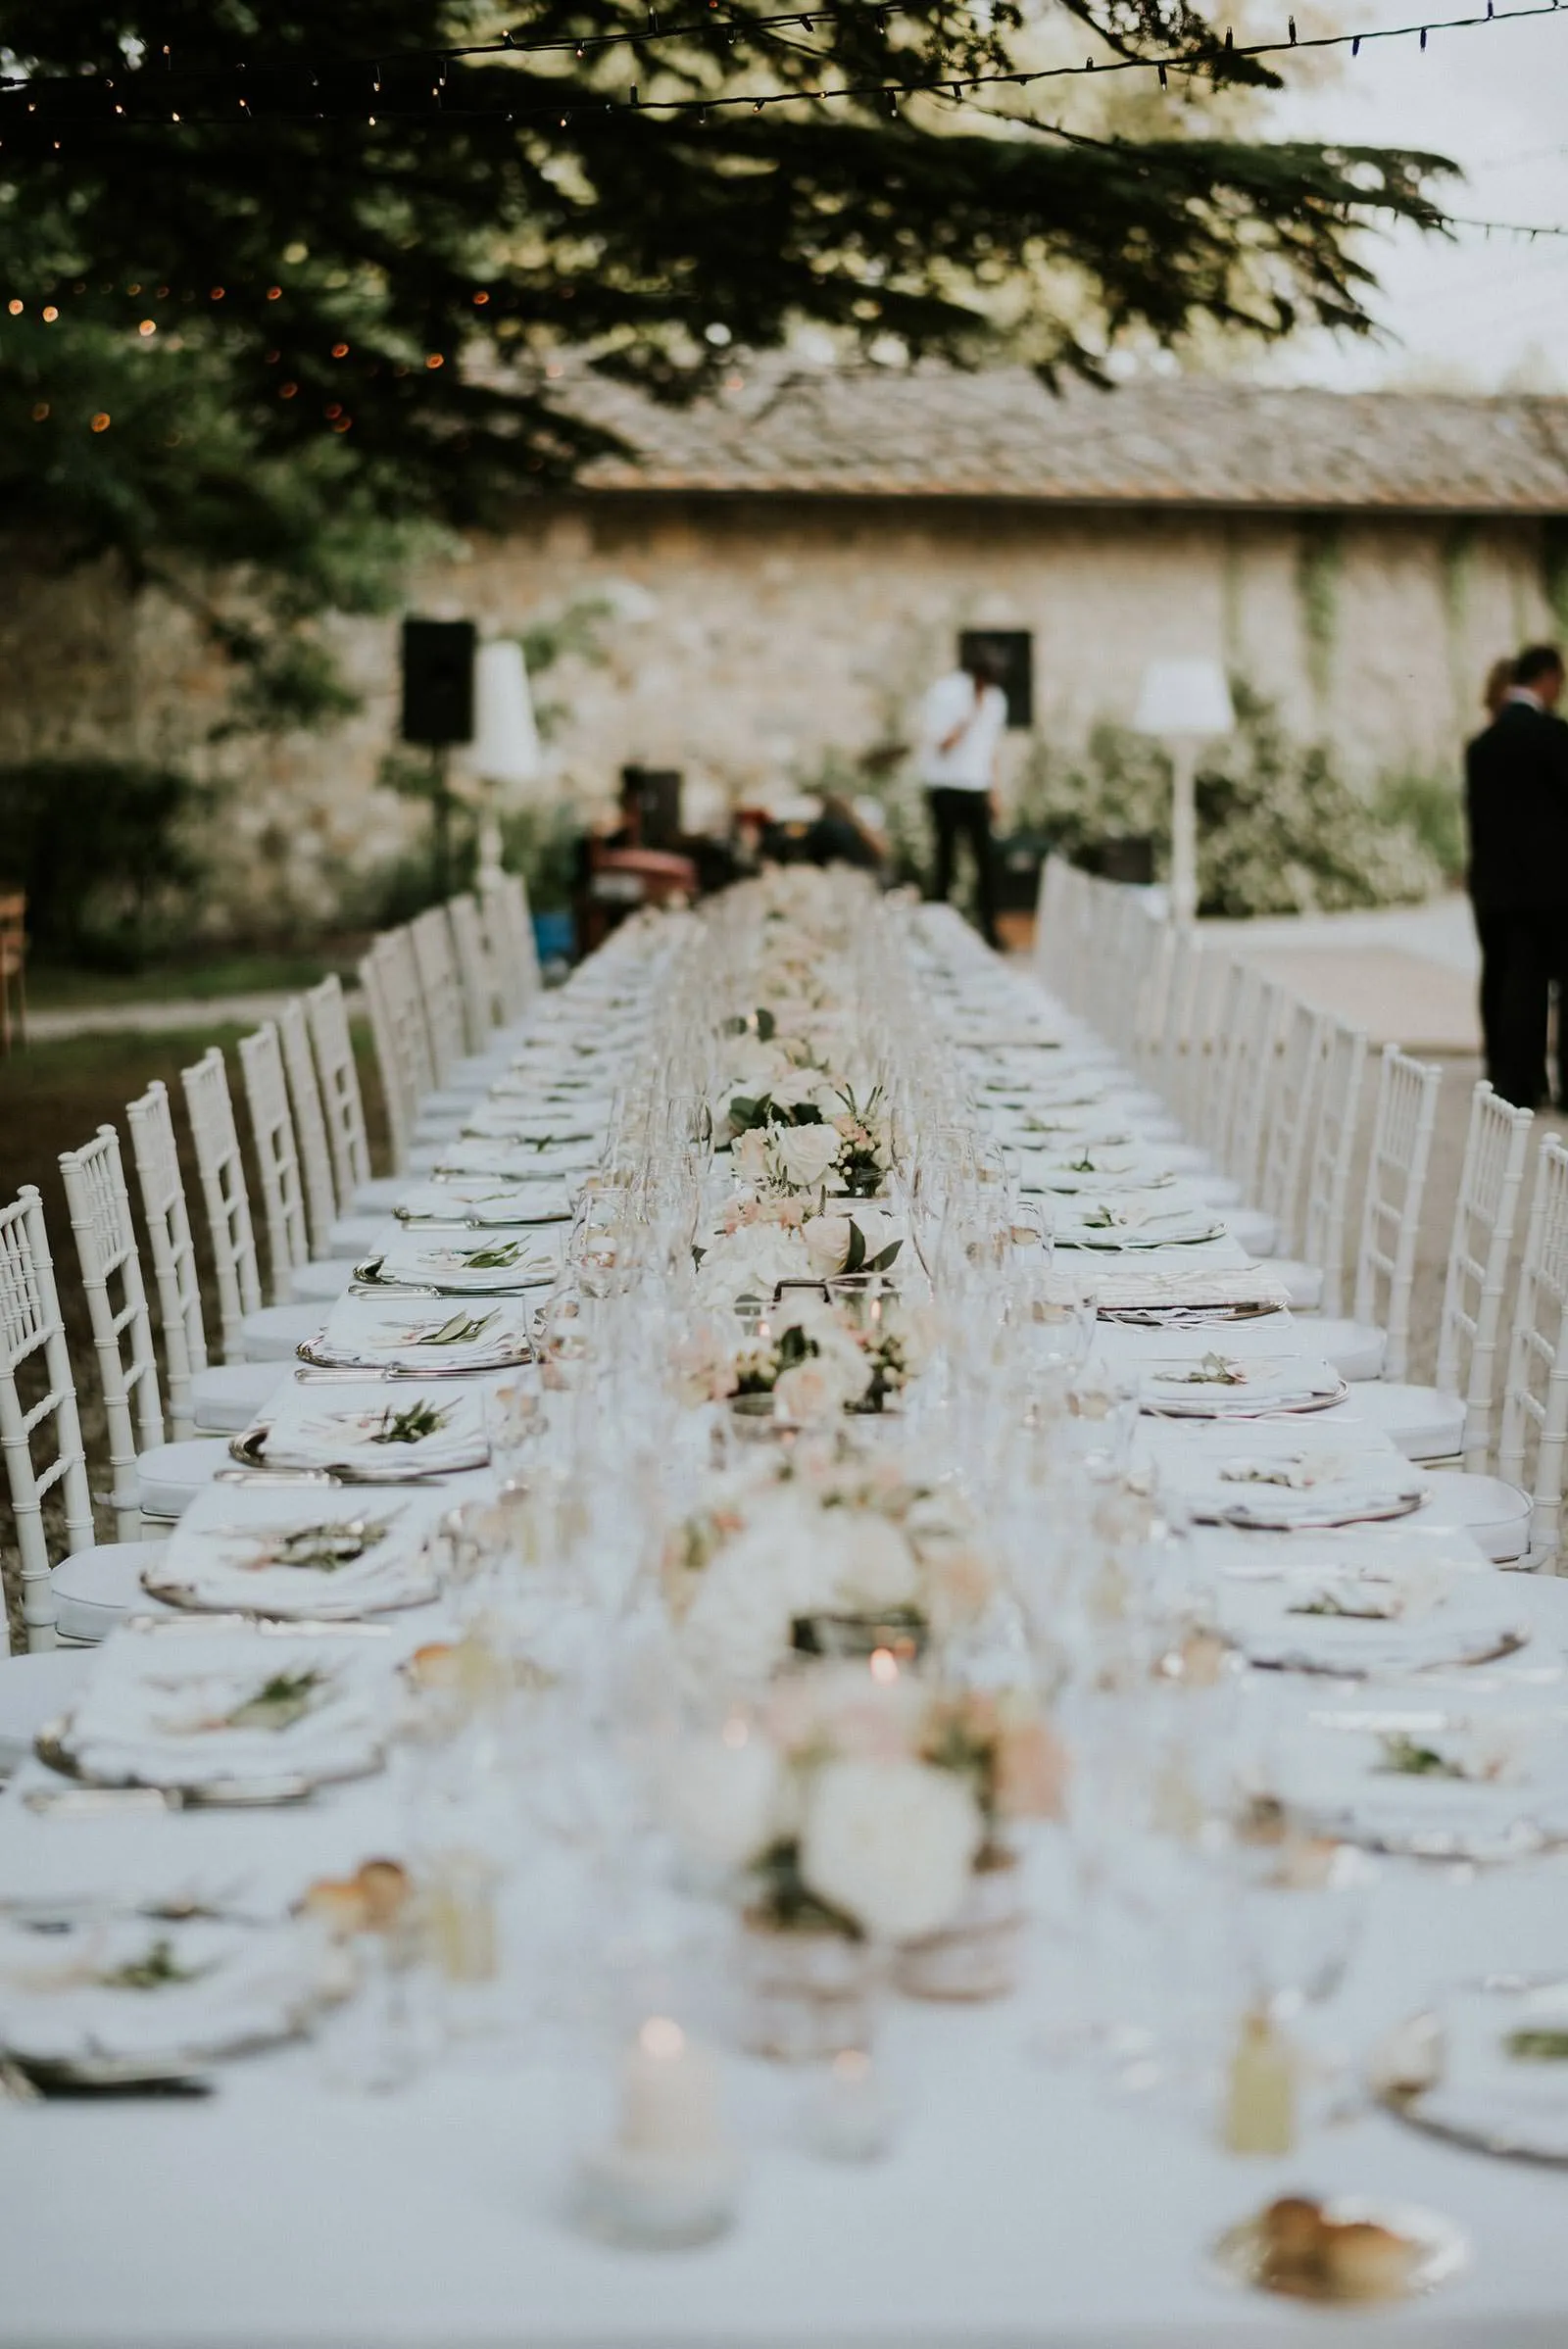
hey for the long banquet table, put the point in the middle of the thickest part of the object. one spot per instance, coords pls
(1023, 2203)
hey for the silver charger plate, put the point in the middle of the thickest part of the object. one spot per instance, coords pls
(1405, 2065)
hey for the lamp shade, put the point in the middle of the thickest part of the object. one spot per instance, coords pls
(1185, 698)
(505, 739)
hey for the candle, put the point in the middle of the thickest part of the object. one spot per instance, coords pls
(669, 2096)
(668, 2176)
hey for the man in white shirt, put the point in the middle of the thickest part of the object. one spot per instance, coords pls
(962, 723)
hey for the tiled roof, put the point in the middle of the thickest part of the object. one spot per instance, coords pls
(798, 430)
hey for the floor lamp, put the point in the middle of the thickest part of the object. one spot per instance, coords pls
(506, 741)
(1185, 704)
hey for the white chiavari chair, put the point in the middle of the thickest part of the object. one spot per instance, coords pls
(435, 967)
(76, 1598)
(1374, 1343)
(151, 1481)
(296, 1278)
(1253, 1077)
(203, 1398)
(252, 1332)
(1535, 1402)
(483, 1013)
(1316, 1278)
(331, 1235)
(1454, 1415)
(359, 1190)
(1302, 1050)
(513, 950)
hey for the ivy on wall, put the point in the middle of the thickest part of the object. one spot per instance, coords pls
(1319, 560)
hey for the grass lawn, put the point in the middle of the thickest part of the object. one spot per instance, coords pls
(54, 1098)
(64, 987)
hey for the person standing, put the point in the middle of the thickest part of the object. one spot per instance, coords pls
(962, 723)
(1516, 805)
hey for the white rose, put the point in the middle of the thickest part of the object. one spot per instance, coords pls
(720, 1797)
(742, 1617)
(812, 1391)
(876, 1565)
(798, 1088)
(892, 1842)
(827, 1243)
(751, 1262)
(878, 1230)
(801, 1156)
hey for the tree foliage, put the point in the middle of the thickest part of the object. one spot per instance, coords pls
(323, 301)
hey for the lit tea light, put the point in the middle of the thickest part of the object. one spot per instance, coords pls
(669, 2175)
(850, 2115)
(884, 1666)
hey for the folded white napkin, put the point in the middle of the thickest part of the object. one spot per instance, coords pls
(486, 1263)
(507, 1120)
(428, 1335)
(383, 1434)
(192, 1707)
(482, 1200)
(484, 1155)
(374, 1555)
(125, 1989)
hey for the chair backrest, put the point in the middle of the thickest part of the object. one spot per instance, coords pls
(1174, 1015)
(309, 1123)
(481, 1003)
(1051, 901)
(440, 988)
(1284, 1134)
(175, 1271)
(1484, 1217)
(1535, 1395)
(402, 1038)
(1216, 1092)
(32, 1330)
(513, 951)
(278, 1158)
(341, 1099)
(225, 1196)
(1391, 1211)
(1329, 1159)
(123, 1332)
(1253, 1079)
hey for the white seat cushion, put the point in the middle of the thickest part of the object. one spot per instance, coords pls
(171, 1475)
(1497, 1515)
(1425, 1423)
(226, 1397)
(325, 1281)
(1256, 1232)
(96, 1588)
(1355, 1348)
(353, 1238)
(33, 1692)
(277, 1332)
(378, 1197)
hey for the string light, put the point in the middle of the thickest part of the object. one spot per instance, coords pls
(1200, 62)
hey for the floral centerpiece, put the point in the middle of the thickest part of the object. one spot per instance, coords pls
(856, 1809)
(821, 1551)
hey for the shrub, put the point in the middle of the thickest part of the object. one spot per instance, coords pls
(1279, 830)
(101, 848)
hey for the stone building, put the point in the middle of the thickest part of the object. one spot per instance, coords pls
(784, 567)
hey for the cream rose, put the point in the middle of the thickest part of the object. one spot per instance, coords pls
(810, 1392)
(749, 1155)
(892, 1842)
(827, 1243)
(801, 1156)
(720, 1797)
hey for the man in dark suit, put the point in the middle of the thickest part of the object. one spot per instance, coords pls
(1516, 798)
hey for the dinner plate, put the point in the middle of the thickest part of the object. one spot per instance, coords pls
(502, 1161)
(1486, 1782)
(286, 1553)
(456, 1262)
(241, 1712)
(434, 1337)
(1287, 1490)
(1458, 2070)
(369, 1432)
(121, 1997)
(1217, 1385)
(1356, 1620)
(483, 1200)
(1117, 1224)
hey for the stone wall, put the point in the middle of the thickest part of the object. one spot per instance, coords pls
(751, 638)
